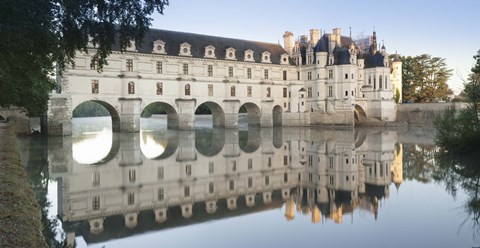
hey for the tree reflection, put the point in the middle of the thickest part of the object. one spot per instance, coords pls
(419, 162)
(462, 172)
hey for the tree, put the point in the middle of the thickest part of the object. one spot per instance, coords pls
(38, 36)
(397, 95)
(424, 78)
(458, 131)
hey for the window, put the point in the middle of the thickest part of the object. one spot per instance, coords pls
(269, 93)
(129, 64)
(94, 65)
(211, 187)
(267, 180)
(330, 162)
(210, 90)
(285, 92)
(265, 74)
(346, 75)
(159, 88)
(96, 203)
(249, 91)
(159, 67)
(249, 73)
(309, 92)
(230, 71)
(331, 180)
(185, 69)
(211, 167)
(386, 82)
(330, 74)
(186, 191)
(131, 199)
(231, 185)
(380, 81)
(309, 75)
(330, 91)
(232, 91)
(160, 194)
(210, 70)
(160, 173)
(187, 89)
(132, 176)
(269, 163)
(250, 182)
(298, 75)
(369, 80)
(285, 160)
(250, 163)
(284, 75)
(94, 86)
(234, 165)
(131, 88)
(188, 170)
(96, 179)
(352, 76)
(346, 93)
(285, 177)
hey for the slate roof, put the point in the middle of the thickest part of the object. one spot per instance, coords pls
(198, 42)
(374, 60)
(340, 53)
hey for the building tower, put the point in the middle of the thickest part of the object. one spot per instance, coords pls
(396, 77)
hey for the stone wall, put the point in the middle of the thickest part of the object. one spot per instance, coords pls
(421, 114)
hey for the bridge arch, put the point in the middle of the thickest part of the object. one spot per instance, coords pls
(253, 113)
(359, 114)
(115, 117)
(277, 116)
(213, 108)
(249, 140)
(155, 110)
(209, 142)
(157, 145)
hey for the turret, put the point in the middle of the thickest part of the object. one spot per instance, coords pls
(288, 42)
(373, 47)
(314, 36)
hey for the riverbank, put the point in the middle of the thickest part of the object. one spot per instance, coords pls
(20, 218)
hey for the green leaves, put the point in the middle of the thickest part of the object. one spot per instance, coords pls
(424, 78)
(36, 36)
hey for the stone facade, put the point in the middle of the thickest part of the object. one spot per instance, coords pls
(318, 81)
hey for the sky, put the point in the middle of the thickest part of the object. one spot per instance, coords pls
(446, 29)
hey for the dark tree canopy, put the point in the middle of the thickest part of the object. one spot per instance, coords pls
(36, 36)
(424, 78)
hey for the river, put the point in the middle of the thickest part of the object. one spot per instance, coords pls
(269, 187)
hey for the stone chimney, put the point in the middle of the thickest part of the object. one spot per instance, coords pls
(314, 36)
(336, 33)
(288, 42)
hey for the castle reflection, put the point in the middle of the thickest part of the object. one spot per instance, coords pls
(154, 180)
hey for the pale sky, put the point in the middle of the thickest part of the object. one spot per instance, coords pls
(447, 29)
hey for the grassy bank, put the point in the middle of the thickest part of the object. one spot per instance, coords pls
(20, 218)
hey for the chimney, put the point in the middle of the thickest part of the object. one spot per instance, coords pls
(288, 42)
(314, 36)
(336, 33)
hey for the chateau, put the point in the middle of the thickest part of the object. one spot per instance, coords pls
(316, 80)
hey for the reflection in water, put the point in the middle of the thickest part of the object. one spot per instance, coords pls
(157, 180)
(92, 147)
(462, 173)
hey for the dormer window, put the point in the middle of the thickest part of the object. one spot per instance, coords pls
(230, 54)
(284, 59)
(266, 57)
(210, 52)
(249, 56)
(185, 49)
(159, 47)
(131, 46)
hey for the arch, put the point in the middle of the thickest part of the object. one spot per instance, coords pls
(277, 116)
(93, 147)
(115, 117)
(277, 137)
(131, 87)
(359, 114)
(154, 113)
(158, 144)
(249, 140)
(213, 109)
(253, 114)
(209, 142)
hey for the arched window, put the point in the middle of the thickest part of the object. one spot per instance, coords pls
(232, 91)
(374, 83)
(159, 88)
(269, 92)
(131, 88)
(187, 89)
(380, 81)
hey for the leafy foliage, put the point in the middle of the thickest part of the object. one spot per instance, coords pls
(424, 78)
(458, 131)
(38, 36)
(397, 95)
(90, 109)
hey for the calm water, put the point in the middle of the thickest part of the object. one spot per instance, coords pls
(269, 187)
